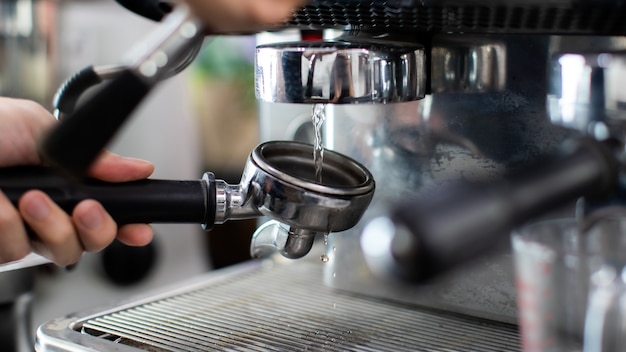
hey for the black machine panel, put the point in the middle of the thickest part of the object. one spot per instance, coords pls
(466, 16)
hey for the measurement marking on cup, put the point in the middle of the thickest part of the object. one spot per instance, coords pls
(533, 296)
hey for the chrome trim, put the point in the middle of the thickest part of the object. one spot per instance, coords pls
(339, 72)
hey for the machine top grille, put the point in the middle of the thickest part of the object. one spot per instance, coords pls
(287, 308)
(466, 16)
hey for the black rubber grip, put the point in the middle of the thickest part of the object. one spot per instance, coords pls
(68, 94)
(144, 201)
(459, 223)
(80, 137)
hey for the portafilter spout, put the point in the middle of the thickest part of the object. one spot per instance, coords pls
(278, 181)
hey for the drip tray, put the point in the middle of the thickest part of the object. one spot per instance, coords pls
(270, 306)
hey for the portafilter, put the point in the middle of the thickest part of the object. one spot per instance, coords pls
(278, 181)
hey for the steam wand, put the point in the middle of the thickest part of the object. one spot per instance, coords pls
(421, 238)
(425, 237)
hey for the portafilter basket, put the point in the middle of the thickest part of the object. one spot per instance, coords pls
(281, 179)
(278, 181)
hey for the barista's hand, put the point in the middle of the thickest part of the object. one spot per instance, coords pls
(61, 238)
(243, 15)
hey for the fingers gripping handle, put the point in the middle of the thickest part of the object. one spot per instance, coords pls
(144, 201)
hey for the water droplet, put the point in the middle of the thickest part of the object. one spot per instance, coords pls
(324, 258)
(334, 248)
(325, 239)
(334, 275)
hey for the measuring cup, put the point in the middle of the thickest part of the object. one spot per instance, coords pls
(555, 261)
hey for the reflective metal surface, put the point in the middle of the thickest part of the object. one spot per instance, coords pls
(279, 182)
(468, 65)
(414, 147)
(274, 236)
(339, 72)
(280, 179)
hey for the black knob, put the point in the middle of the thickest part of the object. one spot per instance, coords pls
(127, 265)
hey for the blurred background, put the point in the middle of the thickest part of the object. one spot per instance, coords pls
(204, 119)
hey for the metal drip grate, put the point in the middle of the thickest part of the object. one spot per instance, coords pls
(287, 308)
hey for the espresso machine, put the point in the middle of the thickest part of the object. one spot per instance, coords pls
(492, 95)
(472, 118)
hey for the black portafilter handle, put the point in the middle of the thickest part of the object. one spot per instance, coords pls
(431, 235)
(142, 201)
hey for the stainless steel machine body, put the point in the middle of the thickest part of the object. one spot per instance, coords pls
(411, 147)
(484, 115)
